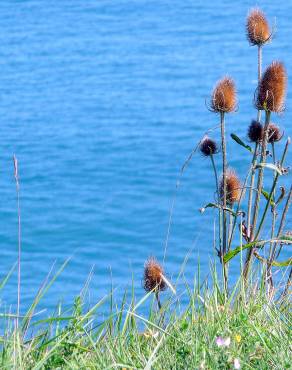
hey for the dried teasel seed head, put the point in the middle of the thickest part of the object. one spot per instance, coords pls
(272, 88)
(208, 146)
(257, 28)
(274, 133)
(255, 131)
(153, 273)
(233, 187)
(224, 96)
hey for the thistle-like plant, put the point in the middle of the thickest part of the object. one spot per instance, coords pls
(155, 279)
(269, 98)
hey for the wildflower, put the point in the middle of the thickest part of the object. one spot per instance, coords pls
(233, 186)
(236, 364)
(272, 88)
(255, 131)
(237, 338)
(257, 28)
(224, 96)
(151, 334)
(208, 146)
(221, 342)
(274, 133)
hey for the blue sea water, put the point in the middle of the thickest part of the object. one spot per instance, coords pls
(102, 101)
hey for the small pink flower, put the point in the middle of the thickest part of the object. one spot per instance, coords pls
(223, 342)
(236, 364)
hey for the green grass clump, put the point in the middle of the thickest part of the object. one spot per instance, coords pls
(169, 338)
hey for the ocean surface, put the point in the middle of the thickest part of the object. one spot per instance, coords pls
(102, 101)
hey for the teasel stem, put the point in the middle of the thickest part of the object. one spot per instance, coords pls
(224, 168)
(158, 299)
(272, 190)
(268, 202)
(254, 159)
(274, 213)
(259, 191)
(259, 75)
(282, 222)
(230, 229)
(261, 172)
(218, 200)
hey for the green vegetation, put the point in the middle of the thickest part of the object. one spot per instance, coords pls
(197, 338)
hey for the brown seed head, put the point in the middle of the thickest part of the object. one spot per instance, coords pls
(255, 131)
(224, 96)
(153, 276)
(233, 187)
(257, 28)
(272, 88)
(208, 146)
(274, 134)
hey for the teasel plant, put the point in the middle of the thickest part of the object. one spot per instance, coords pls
(223, 101)
(269, 98)
(155, 279)
(258, 34)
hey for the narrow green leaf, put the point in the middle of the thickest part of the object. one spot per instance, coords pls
(267, 195)
(258, 243)
(214, 205)
(240, 142)
(285, 263)
(7, 276)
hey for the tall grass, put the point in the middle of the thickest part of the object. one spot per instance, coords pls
(166, 338)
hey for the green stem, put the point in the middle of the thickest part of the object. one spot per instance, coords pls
(259, 75)
(272, 190)
(282, 222)
(273, 207)
(274, 214)
(158, 299)
(254, 159)
(230, 229)
(259, 191)
(218, 200)
(224, 168)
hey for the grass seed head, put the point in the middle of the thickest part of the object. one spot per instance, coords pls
(257, 28)
(224, 96)
(153, 272)
(255, 131)
(208, 146)
(272, 88)
(233, 187)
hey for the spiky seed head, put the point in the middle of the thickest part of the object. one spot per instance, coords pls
(153, 272)
(274, 133)
(233, 187)
(272, 88)
(224, 96)
(257, 28)
(255, 131)
(208, 146)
